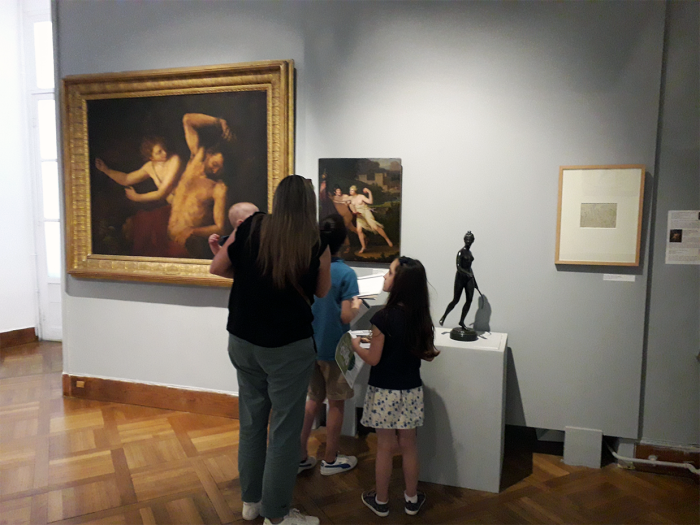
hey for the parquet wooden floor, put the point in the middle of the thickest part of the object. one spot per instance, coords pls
(65, 460)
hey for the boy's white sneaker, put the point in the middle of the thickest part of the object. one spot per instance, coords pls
(296, 518)
(341, 464)
(251, 510)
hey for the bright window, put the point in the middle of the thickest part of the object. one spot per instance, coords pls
(39, 76)
(52, 233)
(43, 55)
(47, 129)
(49, 186)
(45, 111)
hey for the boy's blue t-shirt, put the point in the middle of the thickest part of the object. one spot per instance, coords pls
(328, 328)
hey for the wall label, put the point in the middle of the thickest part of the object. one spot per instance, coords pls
(619, 277)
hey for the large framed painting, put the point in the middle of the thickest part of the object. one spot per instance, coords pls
(600, 215)
(367, 194)
(154, 159)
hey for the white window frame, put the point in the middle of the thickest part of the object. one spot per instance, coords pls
(49, 289)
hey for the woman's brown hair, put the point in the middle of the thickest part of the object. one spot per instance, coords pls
(288, 235)
(150, 142)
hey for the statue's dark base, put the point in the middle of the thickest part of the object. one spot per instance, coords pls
(463, 334)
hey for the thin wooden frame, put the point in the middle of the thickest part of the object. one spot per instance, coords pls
(274, 79)
(599, 217)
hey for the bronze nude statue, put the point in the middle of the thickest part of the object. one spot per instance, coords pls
(464, 280)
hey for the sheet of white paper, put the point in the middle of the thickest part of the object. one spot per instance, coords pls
(371, 285)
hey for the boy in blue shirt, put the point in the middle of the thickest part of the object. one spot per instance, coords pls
(332, 316)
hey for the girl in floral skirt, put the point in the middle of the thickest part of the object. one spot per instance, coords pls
(402, 335)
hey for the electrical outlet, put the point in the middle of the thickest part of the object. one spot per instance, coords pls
(80, 384)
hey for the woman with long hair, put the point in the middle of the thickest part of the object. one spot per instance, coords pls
(359, 204)
(278, 263)
(149, 227)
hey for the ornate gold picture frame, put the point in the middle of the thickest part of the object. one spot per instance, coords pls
(599, 218)
(153, 160)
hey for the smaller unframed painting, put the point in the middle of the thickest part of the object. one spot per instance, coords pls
(598, 215)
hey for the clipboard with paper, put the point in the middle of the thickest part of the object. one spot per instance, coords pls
(349, 363)
(371, 285)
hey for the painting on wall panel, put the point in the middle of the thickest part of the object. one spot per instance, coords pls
(154, 159)
(366, 192)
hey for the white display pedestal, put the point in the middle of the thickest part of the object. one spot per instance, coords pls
(461, 442)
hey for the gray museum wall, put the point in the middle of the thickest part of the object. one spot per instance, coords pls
(169, 335)
(482, 102)
(674, 305)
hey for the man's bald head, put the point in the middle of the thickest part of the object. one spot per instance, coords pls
(240, 212)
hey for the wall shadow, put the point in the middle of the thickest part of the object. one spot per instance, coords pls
(180, 295)
(515, 413)
(520, 445)
(482, 318)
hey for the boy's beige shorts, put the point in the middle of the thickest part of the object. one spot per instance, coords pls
(327, 381)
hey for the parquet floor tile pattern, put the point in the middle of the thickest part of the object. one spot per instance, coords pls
(71, 461)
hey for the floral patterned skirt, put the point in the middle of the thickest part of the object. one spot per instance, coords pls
(399, 409)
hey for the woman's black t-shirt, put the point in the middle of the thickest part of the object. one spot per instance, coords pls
(258, 312)
(398, 368)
